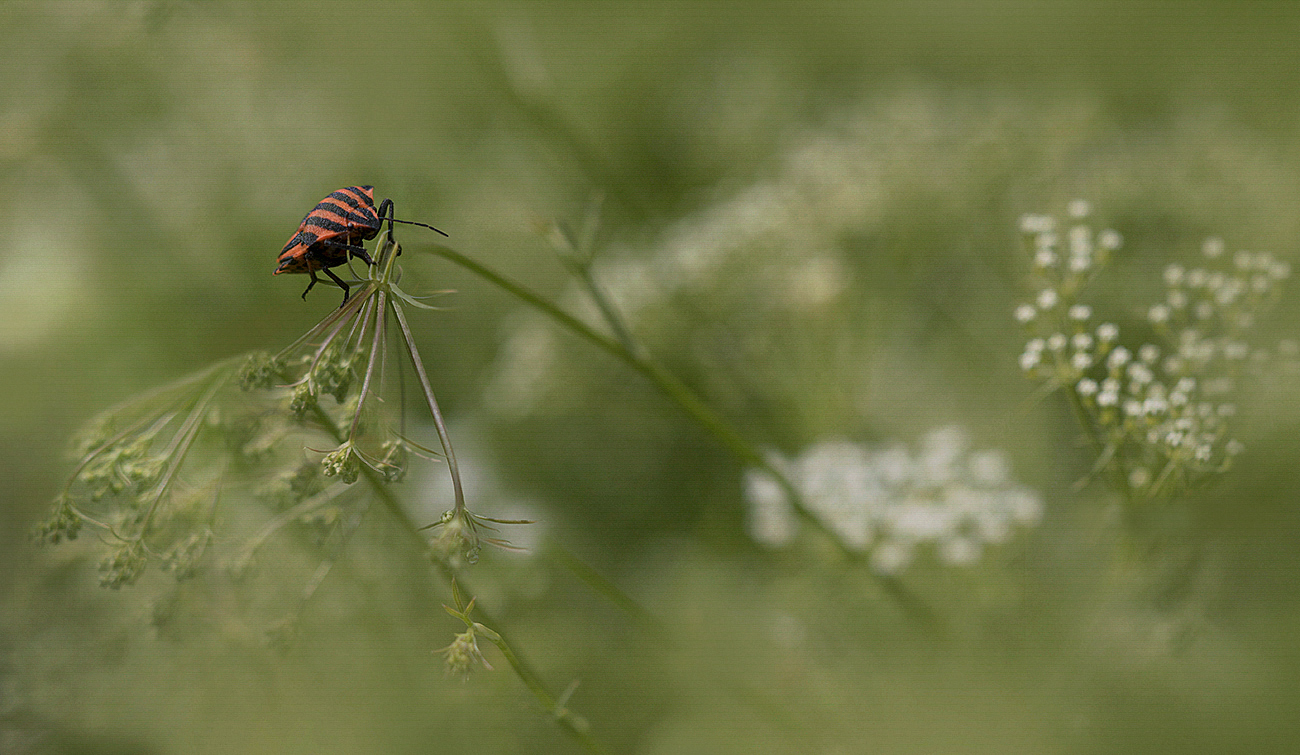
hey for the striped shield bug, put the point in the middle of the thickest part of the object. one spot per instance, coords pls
(333, 231)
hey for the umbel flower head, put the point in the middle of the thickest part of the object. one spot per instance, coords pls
(892, 501)
(1159, 407)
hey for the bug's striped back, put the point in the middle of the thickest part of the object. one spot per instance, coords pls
(347, 215)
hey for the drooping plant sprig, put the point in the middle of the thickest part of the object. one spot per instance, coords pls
(127, 480)
(153, 471)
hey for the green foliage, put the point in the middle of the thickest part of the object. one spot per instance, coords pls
(784, 238)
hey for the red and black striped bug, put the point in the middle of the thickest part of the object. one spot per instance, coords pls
(333, 231)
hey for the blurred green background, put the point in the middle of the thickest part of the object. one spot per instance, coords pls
(157, 155)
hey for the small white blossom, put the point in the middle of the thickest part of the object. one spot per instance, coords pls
(1081, 360)
(1158, 314)
(1174, 274)
(1086, 387)
(1047, 298)
(1229, 292)
(1079, 312)
(1212, 247)
(1110, 240)
(1079, 208)
(1057, 341)
(1148, 353)
(1037, 223)
(989, 467)
(1118, 358)
(1045, 258)
(891, 557)
(1025, 313)
(1107, 332)
(1140, 374)
(1081, 341)
(1080, 241)
(1026, 507)
(1155, 405)
(959, 551)
(770, 519)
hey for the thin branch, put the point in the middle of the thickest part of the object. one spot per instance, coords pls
(665, 381)
(438, 423)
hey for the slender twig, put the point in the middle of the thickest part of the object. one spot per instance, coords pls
(665, 381)
(571, 722)
(376, 346)
(438, 423)
(702, 413)
(178, 449)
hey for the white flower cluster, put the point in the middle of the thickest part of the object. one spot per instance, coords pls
(890, 501)
(1161, 409)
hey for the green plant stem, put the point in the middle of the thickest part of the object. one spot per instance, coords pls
(575, 725)
(661, 378)
(598, 584)
(702, 413)
(665, 381)
(177, 450)
(441, 427)
(568, 721)
(376, 346)
(1119, 480)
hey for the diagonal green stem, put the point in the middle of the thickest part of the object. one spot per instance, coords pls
(573, 724)
(443, 435)
(665, 381)
(921, 614)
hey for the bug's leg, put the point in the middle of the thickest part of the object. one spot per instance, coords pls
(360, 251)
(314, 281)
(339, 281)
(356, 250)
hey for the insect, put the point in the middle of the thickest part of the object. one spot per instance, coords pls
(333, 231)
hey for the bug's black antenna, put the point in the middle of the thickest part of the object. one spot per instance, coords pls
(386, 210)
(412, 222)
